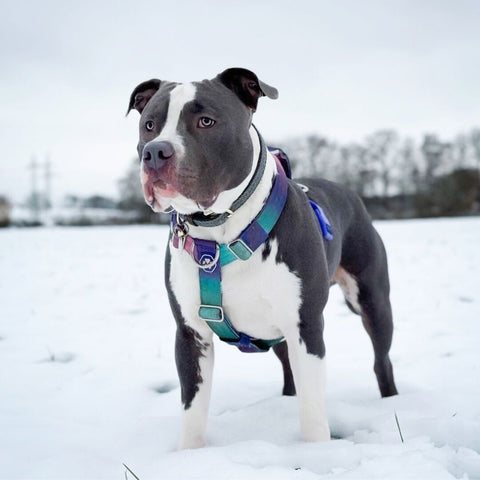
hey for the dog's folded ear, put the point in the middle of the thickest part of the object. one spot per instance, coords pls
(142, 94)
(247, 86)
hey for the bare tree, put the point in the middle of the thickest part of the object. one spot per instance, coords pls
(131, 196)
(475, 142)
(354, 170)
(310, 156)
(409, 179)
(459, 152)
(383, 153)
(434, 152)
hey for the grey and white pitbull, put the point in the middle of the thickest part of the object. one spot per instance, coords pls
(199, 153)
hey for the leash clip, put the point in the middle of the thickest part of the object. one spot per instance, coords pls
(180, 230)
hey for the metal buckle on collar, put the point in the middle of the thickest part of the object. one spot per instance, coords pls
(240, 249)
(211, 313)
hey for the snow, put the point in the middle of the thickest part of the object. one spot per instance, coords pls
(72, 215)
(88, 380)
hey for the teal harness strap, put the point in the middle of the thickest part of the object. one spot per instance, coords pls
(211, 257)
(211, 310)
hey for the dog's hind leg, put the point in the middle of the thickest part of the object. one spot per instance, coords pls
(377, 320)
(367, 294)
(281, 351)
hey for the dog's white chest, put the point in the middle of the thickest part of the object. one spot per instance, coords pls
(260, 296)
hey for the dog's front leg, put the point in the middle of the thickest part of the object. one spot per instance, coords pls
(309, 373)
(194, 359)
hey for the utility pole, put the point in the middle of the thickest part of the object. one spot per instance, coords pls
(39, 201)
(48, 183)
(34, 196)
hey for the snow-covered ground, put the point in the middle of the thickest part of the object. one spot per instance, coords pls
(88, 382)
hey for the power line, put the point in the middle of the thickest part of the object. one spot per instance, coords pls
(48, 182)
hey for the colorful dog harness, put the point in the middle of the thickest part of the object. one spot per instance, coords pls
(211, 257)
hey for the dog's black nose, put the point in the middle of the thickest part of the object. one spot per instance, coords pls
(156, 153)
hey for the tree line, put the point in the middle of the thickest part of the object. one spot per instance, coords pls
(397, 177)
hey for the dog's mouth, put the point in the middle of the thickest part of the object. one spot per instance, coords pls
(157, 192)
(160, 193)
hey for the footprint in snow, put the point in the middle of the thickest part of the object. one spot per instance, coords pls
(58, 357)
(164, 387)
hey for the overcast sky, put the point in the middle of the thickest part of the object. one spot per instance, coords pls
(343, 69)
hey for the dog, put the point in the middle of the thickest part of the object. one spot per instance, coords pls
(202, 158)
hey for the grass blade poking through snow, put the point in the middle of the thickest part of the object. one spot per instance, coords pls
(399, 429)
(129, 471)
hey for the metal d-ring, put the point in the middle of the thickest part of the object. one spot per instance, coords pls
(181, 228)
(303, 187)
(209, 264)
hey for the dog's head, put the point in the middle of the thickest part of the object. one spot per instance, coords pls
(194, 138)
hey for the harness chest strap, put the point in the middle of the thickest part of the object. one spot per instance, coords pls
(211, 257)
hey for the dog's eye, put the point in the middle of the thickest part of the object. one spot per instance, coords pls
(149, 125)
(206, 122)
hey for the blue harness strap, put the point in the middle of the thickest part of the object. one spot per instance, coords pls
(325, 226)
(211, 257)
